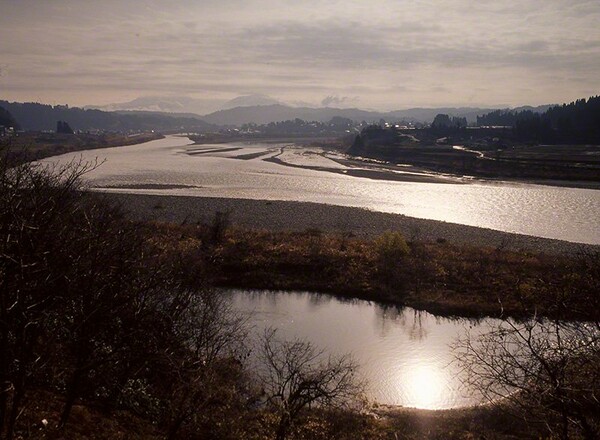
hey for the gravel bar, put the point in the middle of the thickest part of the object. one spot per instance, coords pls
(301, 216)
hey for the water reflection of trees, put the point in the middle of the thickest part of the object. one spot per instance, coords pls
(414, 323)
(317, 300)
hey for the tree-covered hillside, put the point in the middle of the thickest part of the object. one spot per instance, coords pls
(577, 122)
(37, 117)
(7, 120)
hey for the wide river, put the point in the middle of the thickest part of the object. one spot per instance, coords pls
(173, 166)
(405, 355)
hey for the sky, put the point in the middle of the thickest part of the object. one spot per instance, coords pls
(375, 54)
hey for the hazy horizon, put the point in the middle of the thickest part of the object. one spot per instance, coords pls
(384, 55)
(221, 105)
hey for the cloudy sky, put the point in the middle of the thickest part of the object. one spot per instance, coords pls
(379, 54)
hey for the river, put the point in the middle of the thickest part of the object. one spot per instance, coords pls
(172, 166)
(405, 354)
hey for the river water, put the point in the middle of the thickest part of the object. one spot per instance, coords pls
(173, 166)
(405, 355)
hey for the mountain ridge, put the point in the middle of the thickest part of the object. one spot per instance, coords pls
(45, 116)
(34, 116)
(278, 112)
(263, 109)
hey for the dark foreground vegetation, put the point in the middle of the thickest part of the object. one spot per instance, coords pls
(95, 315)
(111, 329)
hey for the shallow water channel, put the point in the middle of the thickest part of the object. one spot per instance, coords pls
(404, 354)
(172, 166)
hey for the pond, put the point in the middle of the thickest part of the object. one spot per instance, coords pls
(404, 354)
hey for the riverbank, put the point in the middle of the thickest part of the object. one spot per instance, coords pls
(388, 171)
(39, 421)
(302, 216)
(402, 169)
(31, 146)
(483, 152)
(442, 268)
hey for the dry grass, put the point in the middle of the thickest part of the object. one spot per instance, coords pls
(32, 146)
(439, 277)
(377, 423)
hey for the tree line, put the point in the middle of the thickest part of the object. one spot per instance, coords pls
(33, 116)
(577, 122)
(337, 125)
(7, 120)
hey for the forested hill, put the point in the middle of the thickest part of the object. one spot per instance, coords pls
(7, 120)
(34, 117)
(577, 122)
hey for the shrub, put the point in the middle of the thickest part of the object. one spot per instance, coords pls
(391, 247)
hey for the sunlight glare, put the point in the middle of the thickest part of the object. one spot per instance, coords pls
(425, 387)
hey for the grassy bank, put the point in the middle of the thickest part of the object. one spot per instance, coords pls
(439, 277)
(31, 146)
(90, 421)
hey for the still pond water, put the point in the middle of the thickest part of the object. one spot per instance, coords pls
(404, 354)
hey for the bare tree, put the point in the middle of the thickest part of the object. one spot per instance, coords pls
(295, 375)
(36, 206)
(204, 378)
(545, 371)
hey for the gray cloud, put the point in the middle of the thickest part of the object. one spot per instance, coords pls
(385, 52)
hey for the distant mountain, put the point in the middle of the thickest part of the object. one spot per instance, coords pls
(34, 117)
(184, 104)
(165, 104)
(264, 114)
(159, 113)
(170, 113)
(263, 109)
(249, 101)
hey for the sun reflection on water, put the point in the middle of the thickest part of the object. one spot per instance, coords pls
(425, 387)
